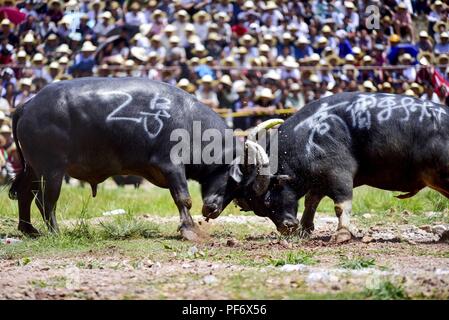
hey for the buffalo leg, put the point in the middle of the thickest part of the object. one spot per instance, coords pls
(342, 196)
(311, 203)
(180, 193)
(25, 198)
(47, 196)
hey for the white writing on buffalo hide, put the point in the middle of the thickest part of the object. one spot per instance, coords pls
(156, 111)
(361, 113)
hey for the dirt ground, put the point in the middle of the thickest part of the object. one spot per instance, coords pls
(415, 260)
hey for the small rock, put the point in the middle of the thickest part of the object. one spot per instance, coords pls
(405, 213)
(209, 279)
(293, 267)
(367, 239)
(367, 216)
(231, 243)
(285, 244)
(426, 228)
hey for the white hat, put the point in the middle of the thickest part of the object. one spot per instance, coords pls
(88, 47)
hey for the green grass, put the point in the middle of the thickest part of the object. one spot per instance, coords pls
(75, 200)
(356, 263)
(297, 257)
(386, 290)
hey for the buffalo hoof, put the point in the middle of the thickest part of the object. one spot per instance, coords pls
(193, 233)
(341, 236)
(305, 231)
(28, 230)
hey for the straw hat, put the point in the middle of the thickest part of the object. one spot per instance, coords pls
(406, 58)
(350, 67)
(295, 87)
(194, 61)
(63, 60)
(349, 5)
(264, 48)
(22, 54)
(443, 59)
(415, 86)
(226, 79)
(437, 4)
(426, 58)
(349, 58)
(303, 40)
(272, 75)
(240, 87)
(369, 86)
(106, 15)
(410, 92)
(174, 40)
(242, 51)
(290, 62)
(157, 13)
(326, 29)
(6, 22)
(367, 60)
(199, 49)
(169, 28)
(26, 82)
(265, 93)
(64, 49)
(440, 25)
(213, 36)
(357, 52)
(54, 65)
(270, 5)
(424, 34)
(5, 129)
(386, 86)
(88, 47)
(248, 5)
(181, 13)
(221, 15)
(139, 53)
(186, 85)
(247, 39)
(207, 79)
(334, 60)
(314, 78)
(229, 61)
(29, 38)
(97, 3)
(201, 14)
(38, 58)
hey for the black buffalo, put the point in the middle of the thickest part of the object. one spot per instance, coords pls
(337, 143)
(95, 128)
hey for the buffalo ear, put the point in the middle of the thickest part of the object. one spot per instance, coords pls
(282, 179)
(235, 172)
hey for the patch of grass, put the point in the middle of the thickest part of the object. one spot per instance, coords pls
(296, 257)
(356, 263)
(127, 227)
(386, 290)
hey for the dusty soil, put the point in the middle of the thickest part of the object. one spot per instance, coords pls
(417, 258)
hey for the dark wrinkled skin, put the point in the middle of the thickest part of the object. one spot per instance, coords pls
(396, 155)
(63, 129)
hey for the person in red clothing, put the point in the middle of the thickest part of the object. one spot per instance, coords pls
(239, 29)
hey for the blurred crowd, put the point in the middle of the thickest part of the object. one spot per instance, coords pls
(238, 57)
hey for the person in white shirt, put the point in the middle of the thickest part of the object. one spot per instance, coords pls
(104, 26)
(135, 17)
(201, 23)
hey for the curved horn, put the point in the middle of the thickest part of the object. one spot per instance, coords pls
(252, 136)
(258, 156)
